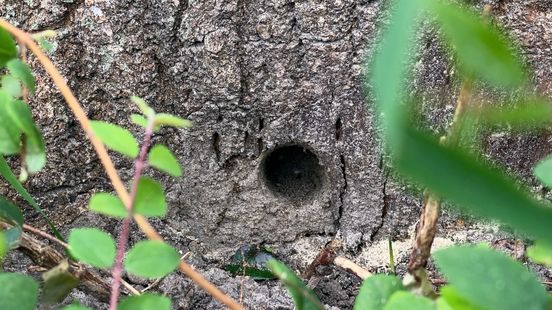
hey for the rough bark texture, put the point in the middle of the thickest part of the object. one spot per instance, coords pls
(254, 76)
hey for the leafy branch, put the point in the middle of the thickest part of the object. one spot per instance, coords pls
(101, 151)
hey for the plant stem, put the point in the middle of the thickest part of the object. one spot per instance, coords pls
(139, 166)
(391, 256)
(427, 227)
(109, 168)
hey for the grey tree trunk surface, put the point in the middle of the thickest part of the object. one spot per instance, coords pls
(284, 150)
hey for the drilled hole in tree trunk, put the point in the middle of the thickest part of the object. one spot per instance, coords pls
(293, 172)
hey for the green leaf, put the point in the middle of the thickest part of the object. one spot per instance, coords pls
(303, 297)
(480, 47)
(10, 213)
(108, 204)
(11, 86)
(163, 119)
(143, 106)
(163, 159)
(530, 114)
(116, 138)
(139, 120)
(151, 259)
(460, 178)
(391, 68)
(45, 44)
(3, 245)
(6, 172)
(22, 72)
(541, 253)
(403, 300)
(150, 198)
(451, 300)
(58, 283)
(543, 171)
(251, 261)
(8, 50)
(92, 246)
(12, 237)
(18, 291)
(34, 151)
(494, 280)
(376, 291)
(10, 133)
(146, 301)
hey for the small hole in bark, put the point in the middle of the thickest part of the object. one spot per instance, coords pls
(293, 172)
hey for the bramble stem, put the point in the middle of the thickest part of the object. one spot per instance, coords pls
(139, 165)
(101, 151)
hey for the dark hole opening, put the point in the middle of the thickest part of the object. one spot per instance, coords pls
(293, 172)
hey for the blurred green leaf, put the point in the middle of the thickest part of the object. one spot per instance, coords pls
(303, 297)
(10, 212)
(8, 50)
(390, 68)
(18, 292)
(530, 114)
(494, 280)
(163, 119)
(92, 246)
(403, 300)
(3, 245)
(58, 283)
(10, 133)
(12, 237)
(163, 159)
(143, 106)
(451, 300)
(251, 261)
(543, 171)
(151, 259)
(540, 253)
(116, 138)
(146, 301)
(150, 198)
(480, 47)
(473, 186)
(376, 291)
(6, 172)
(22, 72)
(11, 86)
(108, 204)
(34, 151)
(45, 44)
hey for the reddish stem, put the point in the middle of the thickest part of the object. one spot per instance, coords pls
(139, 166)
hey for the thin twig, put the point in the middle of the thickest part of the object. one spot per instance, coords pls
(44, 235)
(328, 256)
(130, 288)
(351, 266)
(101, 151)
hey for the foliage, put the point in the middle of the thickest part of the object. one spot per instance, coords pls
(140, 261)
(251, 261)
(19, 135)
(480, 278)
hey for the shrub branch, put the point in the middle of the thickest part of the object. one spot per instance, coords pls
(101, 151)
